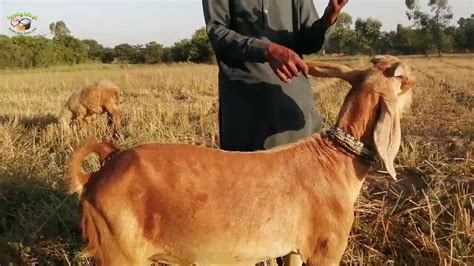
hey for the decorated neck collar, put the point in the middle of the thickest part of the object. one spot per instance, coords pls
(352, 145)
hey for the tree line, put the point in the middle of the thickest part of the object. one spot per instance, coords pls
(431, 32)
(38, 51)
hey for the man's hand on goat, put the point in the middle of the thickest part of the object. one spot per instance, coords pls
(285, 63)
(333, 9)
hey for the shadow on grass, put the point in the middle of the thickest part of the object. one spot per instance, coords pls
(413, 221)
(41, 122)
(39, 224)
(28, 122)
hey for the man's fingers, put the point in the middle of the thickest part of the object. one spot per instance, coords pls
(282, 76)
(285, 71)
(303, 67)
(293, 69)
(338, 3)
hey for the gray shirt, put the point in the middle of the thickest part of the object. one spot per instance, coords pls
(257, 110)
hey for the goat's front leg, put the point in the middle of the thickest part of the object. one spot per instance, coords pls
(329, 259)
(79, 119)
(114, 115)
(329, 70)
(327, 251)
(293, 259)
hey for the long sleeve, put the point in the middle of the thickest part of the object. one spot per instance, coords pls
(310, 37)
(228, 43)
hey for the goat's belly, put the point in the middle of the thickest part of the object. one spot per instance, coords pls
(176, 239)
(231, 240)
(221, 252)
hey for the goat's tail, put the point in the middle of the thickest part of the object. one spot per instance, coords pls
(76, 176)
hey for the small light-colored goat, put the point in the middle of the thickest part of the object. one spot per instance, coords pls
(101, 97)
(185, 204)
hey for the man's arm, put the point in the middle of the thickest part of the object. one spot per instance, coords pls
(311, 35)
(226, 42)
(229, 44)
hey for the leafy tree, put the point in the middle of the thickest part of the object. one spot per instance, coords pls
(108, 55)
(179, 52)
(433, 23)
(94, 49)
(39, 51)
(405, 40)
(152, 53)
(367, 34)
(139, 57)
(36, 51)
(76, 50)
(126, 53)
(166, 55)
(464, 34)
(139, 54)
(8, 52)
(44, 52)
(59, 29)
(341, 37)
(386, 43)
(200, 47)
(25, 48)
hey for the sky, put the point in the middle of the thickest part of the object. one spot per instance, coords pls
(112, 22)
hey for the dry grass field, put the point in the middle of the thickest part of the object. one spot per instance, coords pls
(425, 218)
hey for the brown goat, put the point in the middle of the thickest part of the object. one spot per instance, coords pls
(186, 204)
(103, 96)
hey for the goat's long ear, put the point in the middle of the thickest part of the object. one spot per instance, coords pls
(387, 134)
(399, 71)
(376, 59)
(330, 70)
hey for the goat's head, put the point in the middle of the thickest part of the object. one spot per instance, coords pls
(393, 84)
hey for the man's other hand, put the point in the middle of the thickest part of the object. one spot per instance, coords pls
(285, 63)
(333, 9)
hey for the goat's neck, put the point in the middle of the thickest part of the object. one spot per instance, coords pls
(358, 117)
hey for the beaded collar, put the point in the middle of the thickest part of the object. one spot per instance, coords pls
(352, 145)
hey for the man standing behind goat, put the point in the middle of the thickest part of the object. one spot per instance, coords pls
(264, 101)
